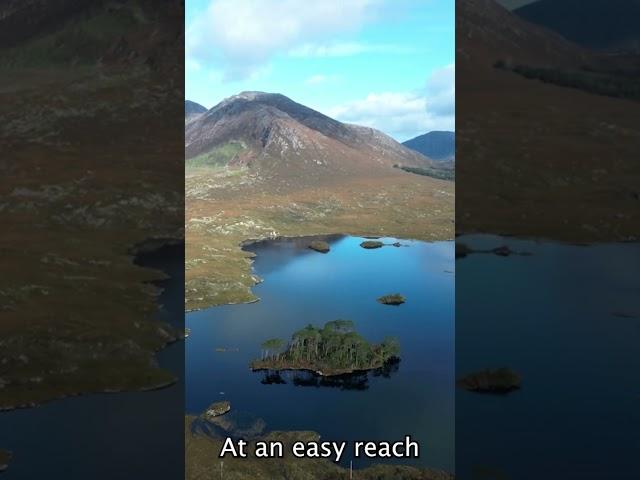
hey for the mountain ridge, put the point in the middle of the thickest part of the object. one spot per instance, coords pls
(437, 144)
(193, 110)
(597, 24)
(269, 131)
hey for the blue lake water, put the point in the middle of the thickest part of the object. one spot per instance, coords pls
(301, 287)
(131, 435)
(567, 318)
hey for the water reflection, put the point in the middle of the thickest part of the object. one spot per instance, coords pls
(347, 381)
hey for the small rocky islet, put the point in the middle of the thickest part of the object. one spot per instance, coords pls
(392, 299)
(320, 246)
(217, 409)
(218, 419)
(463, 250)
(372, 244)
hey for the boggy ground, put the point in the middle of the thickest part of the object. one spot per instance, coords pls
(86, 179)
(226, 207)
(202, 462)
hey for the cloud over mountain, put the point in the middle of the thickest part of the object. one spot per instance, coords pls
(406, 114)
(245, 34)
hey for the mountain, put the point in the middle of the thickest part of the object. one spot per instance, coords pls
(488, 32)
(88, 33)
(272, 133)
(192, 110)
(437, 145)
(513, 4)
(597, 24)
(530, 144)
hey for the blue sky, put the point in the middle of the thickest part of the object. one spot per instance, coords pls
(388, 64)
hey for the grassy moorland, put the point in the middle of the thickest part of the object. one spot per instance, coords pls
(225, 207)
(91, 111)
(77, 313)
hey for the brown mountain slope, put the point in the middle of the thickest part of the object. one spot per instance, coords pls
(537, 158)
(487, 32)
(280, 138)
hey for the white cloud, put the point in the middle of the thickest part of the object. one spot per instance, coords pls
(347, 49)
(192, 65)
(441, 92)
(244, 34)
(404, 115)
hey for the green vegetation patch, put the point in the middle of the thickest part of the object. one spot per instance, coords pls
(218, 157)
(334, 349)
(439, 173)
(618, 84)
(81, 40)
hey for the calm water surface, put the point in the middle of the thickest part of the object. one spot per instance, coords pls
(568, 319)
(301, 287)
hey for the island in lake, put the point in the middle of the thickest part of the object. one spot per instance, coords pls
(392, 299)
(5, 457)
(335, 349)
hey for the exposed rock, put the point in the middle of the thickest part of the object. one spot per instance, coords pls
(392, 299)
(370, 244)
(320, 246)
(500, 381)
(235, 425)
(218, 408)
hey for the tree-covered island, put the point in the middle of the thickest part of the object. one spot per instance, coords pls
(334, 349)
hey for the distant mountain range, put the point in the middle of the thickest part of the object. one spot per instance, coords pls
(192, 110)
(274, 135)
(437, 145)
(519, 174)
(596, 24)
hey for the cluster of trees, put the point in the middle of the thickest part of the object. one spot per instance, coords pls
(334, 347)
(611, 84)
(440, 173)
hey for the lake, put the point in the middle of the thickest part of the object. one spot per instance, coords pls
(109, 436)
(567, 318)
(302, 286)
